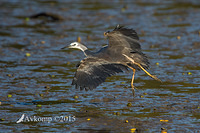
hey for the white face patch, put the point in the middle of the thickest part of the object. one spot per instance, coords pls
(74, 44)
(78, 45)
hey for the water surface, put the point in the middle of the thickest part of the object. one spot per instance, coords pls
(36, 74)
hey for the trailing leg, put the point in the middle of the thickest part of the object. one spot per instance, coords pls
(153, 76)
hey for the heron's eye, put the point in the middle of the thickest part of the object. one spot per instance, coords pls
(74, 44)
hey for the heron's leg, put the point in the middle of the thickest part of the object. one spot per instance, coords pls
(132, 86)
(132, 78)
(153, 76)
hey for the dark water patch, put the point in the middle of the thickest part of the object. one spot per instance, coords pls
(96, 6)
(51, 2)
(49, 82)
(95, 130)
(59, 89)
(176, 56)
(86, 31)
(46, 31)
(44, 68)
(191, 90)
(32, 26)
(2, 33)
(116, 78)
(192, 67)
(62, 101)
(162, 95)
(196, 45)
(178, 25)
(196, 114)
(145, 114)
(180, 5)
(11, 4)
(18, 110)
(182, 87)
(90, 112)
(8, 63)
(169, 13)
(149, 83)
(177, 87)
(50, 17)
(93, 26)
(15, 45)
(140, 3)
(170, 36)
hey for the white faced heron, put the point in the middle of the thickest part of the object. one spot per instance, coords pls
(123, 52)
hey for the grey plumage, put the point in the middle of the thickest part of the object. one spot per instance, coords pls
(92, 71)
(96, 67)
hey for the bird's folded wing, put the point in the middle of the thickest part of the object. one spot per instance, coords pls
(125, 37)
(93, 71)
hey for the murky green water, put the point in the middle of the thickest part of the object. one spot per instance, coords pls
(36, 74)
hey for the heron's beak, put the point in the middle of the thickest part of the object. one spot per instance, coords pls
(66, 47)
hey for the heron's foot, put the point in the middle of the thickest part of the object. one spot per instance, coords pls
(133, 89)
(154, 77)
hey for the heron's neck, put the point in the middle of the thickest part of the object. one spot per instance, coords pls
(88, 53)
(84, 49)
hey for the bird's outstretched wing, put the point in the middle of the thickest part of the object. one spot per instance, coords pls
(125, 37)
(93, 71)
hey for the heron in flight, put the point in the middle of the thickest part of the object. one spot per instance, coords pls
(122, 52)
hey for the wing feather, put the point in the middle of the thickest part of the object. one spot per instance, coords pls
(122, 36)
(93, 71)
(126, 41)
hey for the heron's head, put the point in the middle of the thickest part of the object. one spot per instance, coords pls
(76, 45)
